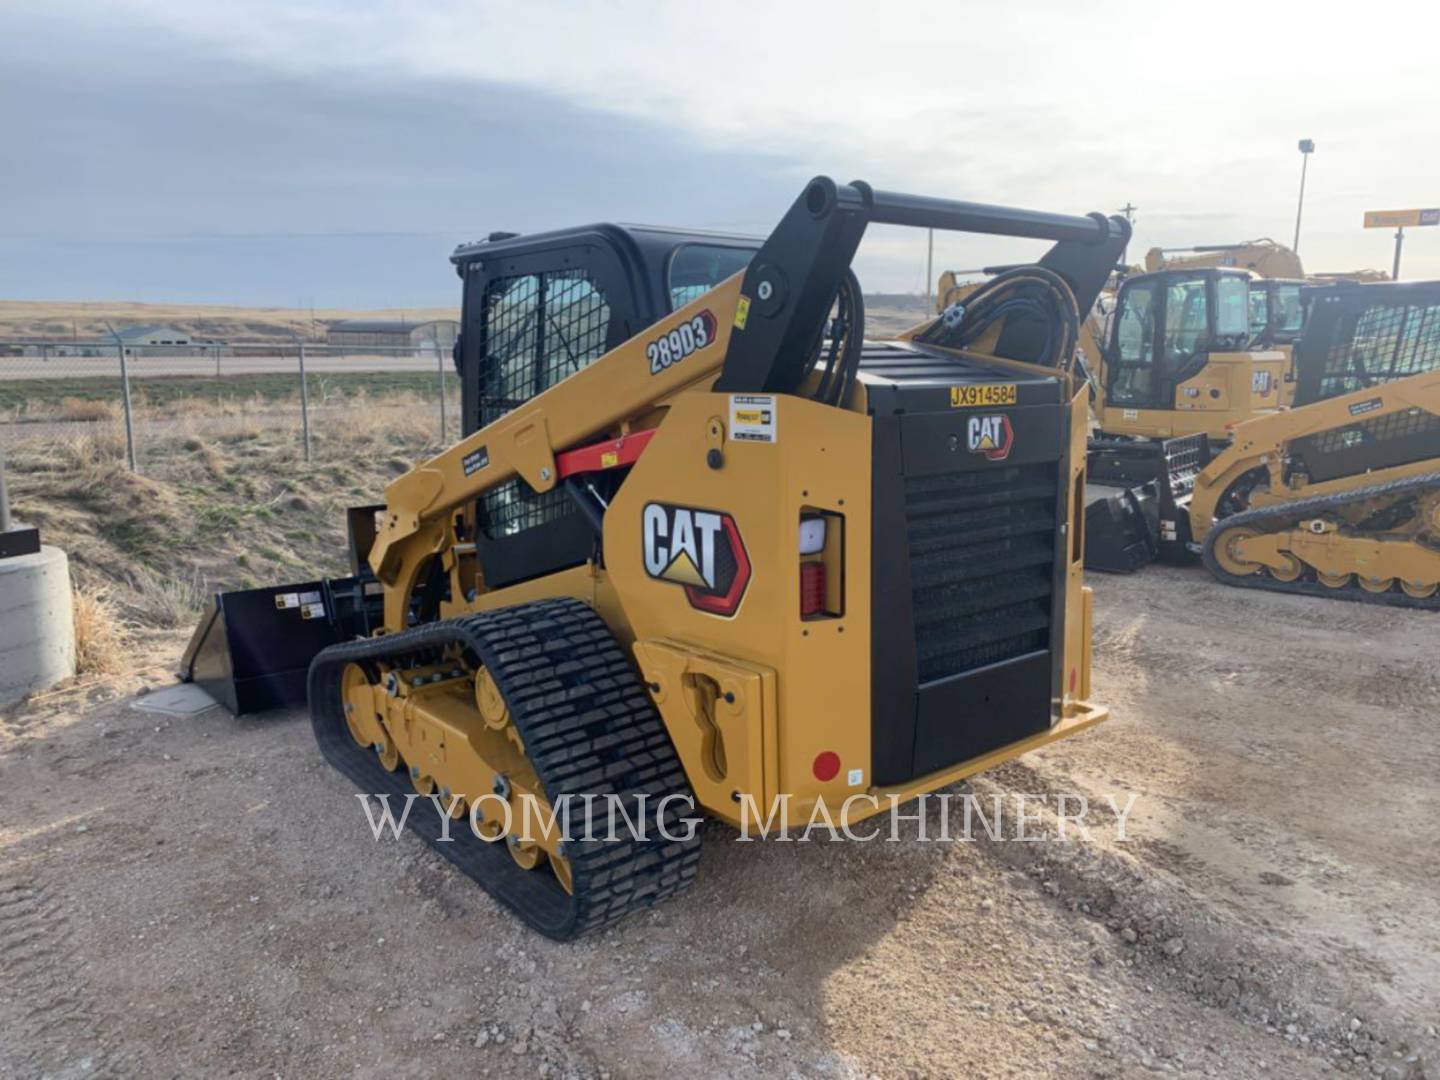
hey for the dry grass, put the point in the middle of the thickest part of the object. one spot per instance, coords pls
(102, 639)
(82, 409)
(224, 500)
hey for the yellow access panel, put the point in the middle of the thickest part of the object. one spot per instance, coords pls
(685, 512)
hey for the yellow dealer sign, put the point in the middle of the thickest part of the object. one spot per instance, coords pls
(1399, 219)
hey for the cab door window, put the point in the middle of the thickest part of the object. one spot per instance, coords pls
(1132, 376)
(1290, 313)
(1232, 303)
(1187, 324)
(1259, 312)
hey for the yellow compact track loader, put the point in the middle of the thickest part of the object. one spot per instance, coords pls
(1337, 496)
(704, 542)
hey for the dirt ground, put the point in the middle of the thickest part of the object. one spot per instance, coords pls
(203, 896)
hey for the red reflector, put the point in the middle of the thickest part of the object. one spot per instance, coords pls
(812, 589)
(827, 765)
(1074, 677)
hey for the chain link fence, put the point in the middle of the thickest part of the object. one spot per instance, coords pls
(160, 399)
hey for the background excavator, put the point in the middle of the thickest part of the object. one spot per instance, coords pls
(702, 540)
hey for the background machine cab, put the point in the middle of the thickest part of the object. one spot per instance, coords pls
(1178, 360)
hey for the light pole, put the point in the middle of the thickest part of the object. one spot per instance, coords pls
(1307, 147)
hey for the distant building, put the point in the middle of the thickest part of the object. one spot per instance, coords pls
(159, 340)
(140, 336)
(392, 333)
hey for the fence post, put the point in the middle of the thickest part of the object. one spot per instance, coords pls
(4, 496)
(440, 364)
(304, 398)
(125, 394)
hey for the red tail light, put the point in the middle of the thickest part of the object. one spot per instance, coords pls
(812, 589)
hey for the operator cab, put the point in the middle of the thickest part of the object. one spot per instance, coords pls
(538, 308)
(1277, 313)
(1166, 325)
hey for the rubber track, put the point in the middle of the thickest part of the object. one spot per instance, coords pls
(1284, 515)
(588, 727)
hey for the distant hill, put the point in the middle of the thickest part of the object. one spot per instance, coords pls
(60, 319)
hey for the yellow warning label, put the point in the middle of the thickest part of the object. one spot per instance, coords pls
(609, 459)
(742, 312)
(749, 416)
(970, 397)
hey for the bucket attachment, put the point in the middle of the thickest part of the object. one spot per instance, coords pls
(253, 647)
(1149, 517)
(1124, 463)
(1122, 531)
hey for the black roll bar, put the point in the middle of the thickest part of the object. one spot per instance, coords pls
(925, 212)
(790, 284)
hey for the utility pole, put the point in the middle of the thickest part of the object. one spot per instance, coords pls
(929, 269)
(1307, 147)
(1129, 211)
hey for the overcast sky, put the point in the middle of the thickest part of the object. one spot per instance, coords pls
(333, 152)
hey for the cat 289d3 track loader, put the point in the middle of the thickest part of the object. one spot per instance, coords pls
(703, 540)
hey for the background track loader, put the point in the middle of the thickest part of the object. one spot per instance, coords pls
(1340, 494)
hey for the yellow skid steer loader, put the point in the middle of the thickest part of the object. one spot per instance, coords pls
(703, 545)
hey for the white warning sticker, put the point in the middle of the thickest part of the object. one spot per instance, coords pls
(313, 611)
(287, 600)
(752, 417)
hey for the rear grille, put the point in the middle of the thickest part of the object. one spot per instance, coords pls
(982, 555)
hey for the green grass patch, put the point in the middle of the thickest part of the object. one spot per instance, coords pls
(35, 397)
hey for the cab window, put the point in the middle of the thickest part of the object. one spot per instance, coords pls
(1133, 376)
(1232, 307)
(1187, 321)
(695, 269)
(1290, 313)
(1259, 311)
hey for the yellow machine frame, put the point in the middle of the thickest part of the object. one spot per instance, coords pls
(815, 674)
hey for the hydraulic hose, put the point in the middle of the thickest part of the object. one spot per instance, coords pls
(1024, 292)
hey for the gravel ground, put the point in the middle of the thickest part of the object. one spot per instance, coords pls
(203, 896)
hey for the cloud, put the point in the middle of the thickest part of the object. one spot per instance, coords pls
(153, 168)
(714, 115)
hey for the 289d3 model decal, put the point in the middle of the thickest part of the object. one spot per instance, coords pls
(676, 345)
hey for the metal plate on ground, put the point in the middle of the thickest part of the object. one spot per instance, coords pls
(183, 699)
